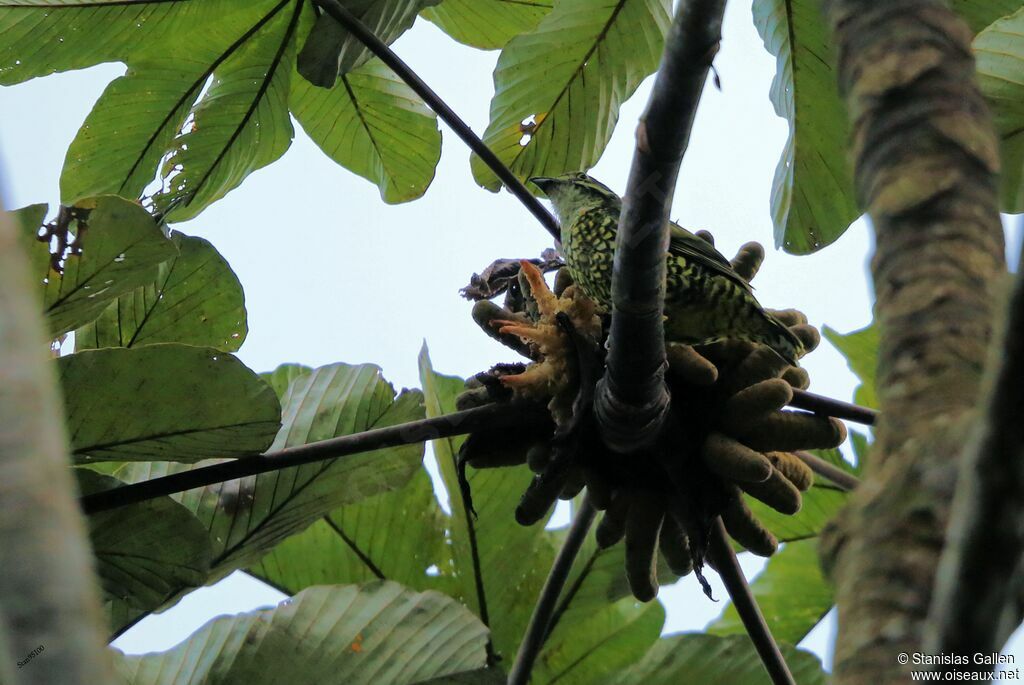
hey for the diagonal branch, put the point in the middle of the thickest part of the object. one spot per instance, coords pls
(844, 480)
(632, 399)
(343, 16)
(723, 557)
(537, 632)
(827, 406)
(491, 416)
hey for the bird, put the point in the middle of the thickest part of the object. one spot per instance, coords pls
(706, 301)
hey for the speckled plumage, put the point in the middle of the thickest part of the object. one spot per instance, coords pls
(705, 299)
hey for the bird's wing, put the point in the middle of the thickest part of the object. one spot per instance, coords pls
(685, 244)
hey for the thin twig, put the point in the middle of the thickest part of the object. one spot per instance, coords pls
(632, 400)
(724, 559)
(827, 406)
(537, 631)
(843, 479)
(490, 416)
(375, 45)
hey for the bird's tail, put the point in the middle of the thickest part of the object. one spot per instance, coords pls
(783, 341)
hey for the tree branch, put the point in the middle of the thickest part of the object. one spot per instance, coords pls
(926, 157)
(724, 559)
(977, 600)
(827, 406)
(537, 631)
(490, 416)
(844, 480)
(343, 16)
(632, 399)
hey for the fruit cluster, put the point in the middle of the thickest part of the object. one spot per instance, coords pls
(729, 432)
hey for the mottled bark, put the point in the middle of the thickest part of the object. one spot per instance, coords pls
(978, 600)
(632, 399)
(48, 592)
(926, 159)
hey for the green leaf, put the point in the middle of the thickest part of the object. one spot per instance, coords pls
(49, 36)
(481, 676)
(330, 50)
(564, 81)
(374, 634)
(166, 402)
(134, 123)
(143, 551)
(999, 51)
(713, 660)
(281, 377)
(812, 199)
(791, 591)
(121, 250)
(394, 535)
(246, 518)
(487, 24)
(597, 626)
(590, 645)
(861, 449)
(980, 13)
(820, 505)
(861, 351)
(513, 560)
(196, 299)
(373, 124)
(241, 123)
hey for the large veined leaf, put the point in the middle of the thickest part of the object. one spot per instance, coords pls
(558, 88)
(395, 535)
(373, 124)
(46, 36)
(196, 299)
(281, 377)
(498, 566)
(240, 124)
(812, 201)
(999, 50)
(597, 626)
(330, 50)
(246, 518)
(374, 634)
(166, 402)
(791, 591)
(144, 550)
(713, 660)
(861, 351)
(135, 121)
(589, 645)
(820, 505)
(487, 24)
(121, 250)
(205, 100)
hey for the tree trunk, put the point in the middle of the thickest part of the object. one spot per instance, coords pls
(926, 160)
(51, 625)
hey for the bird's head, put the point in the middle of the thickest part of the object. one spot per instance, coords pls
(571, 193)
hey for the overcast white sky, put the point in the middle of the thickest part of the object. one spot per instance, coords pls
(331, 273)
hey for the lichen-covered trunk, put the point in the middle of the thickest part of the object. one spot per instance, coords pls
(926, 160)
(51, 626)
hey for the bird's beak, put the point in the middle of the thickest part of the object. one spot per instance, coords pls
(543, 182)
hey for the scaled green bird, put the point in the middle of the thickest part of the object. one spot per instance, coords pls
(705, 299)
